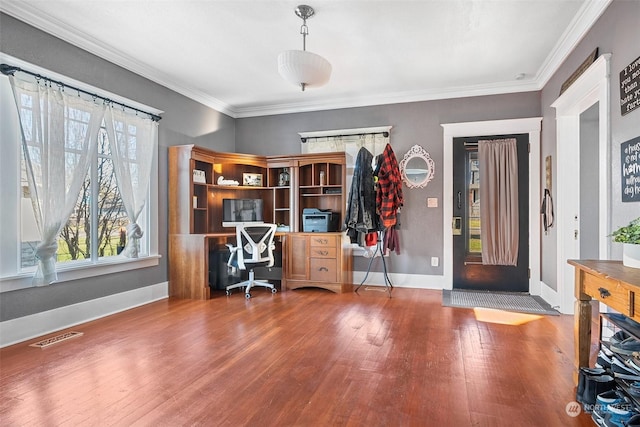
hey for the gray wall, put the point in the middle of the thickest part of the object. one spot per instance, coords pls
(616, 32)
(413, 123)
(184, 122)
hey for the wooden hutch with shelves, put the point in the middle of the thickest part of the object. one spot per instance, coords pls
(289, 185)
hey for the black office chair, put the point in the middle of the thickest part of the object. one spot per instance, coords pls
(254, 248)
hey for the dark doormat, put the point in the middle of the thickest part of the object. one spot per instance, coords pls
(508, 301)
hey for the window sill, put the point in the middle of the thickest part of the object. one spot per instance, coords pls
(82, 271)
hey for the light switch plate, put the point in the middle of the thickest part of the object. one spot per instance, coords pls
(432, 202)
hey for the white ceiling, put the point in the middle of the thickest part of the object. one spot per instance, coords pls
(224, 53)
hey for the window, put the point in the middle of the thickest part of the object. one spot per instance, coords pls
(374, 139)
(95, 232)
(474, 245)
(97, 225)
(350, 141)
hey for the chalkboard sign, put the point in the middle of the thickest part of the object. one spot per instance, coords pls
(630, 87)
(630, 152)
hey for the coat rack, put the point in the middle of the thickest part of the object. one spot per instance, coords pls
(387, 282)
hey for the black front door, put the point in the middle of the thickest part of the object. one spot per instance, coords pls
(468, 270)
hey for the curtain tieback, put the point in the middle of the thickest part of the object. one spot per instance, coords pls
(45, 251)
(134, 231)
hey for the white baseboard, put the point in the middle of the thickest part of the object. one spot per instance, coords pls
(551, 296)
(417, 281)
(24, 328)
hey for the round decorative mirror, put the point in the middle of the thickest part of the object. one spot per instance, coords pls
(417, 167)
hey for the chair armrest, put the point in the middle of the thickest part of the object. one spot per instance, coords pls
(232, 256)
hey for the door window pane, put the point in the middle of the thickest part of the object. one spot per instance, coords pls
(473, 203)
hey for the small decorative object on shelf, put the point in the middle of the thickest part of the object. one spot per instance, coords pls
(199, 176)
(283, 178)
(222, 181)
(252, 179)
(195, 202)
(321, 177)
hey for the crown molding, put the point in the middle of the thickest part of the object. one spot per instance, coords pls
(584, 20)
(27, 13)
(581, 24)
(389, 98)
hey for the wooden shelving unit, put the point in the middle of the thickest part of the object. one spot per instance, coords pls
(195, 208)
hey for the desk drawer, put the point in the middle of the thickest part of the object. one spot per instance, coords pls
(322, 252)
(610, 293)
(324, 241)
(323, 269)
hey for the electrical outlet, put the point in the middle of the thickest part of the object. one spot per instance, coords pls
(434, 261)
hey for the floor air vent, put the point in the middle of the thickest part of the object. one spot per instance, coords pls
(54, 340)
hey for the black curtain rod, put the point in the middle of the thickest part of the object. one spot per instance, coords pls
(385, 134)
(10, 70)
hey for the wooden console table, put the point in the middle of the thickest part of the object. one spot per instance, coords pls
(609, 282)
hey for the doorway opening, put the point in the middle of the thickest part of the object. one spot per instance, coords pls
(589, 94)
(469, 270)
(529, 126)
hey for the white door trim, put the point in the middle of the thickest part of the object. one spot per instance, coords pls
(590, 88)
(531, 126)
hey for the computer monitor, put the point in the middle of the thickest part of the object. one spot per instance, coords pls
(237, 211)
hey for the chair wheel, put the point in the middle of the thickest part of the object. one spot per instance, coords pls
(247, 295)
(274, 290)
(228, 293)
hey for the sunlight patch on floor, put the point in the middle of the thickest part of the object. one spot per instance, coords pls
(492, 315)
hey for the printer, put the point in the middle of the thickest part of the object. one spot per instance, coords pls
(317, 220)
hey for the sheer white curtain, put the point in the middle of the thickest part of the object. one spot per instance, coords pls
(133, 141)
(499, 201)
(59, 137)
(350, 144)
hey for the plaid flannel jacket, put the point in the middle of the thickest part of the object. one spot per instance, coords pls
(389, 194)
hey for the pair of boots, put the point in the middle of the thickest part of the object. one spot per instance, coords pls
(591, 383)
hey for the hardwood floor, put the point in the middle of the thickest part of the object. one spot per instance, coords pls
(307, 357)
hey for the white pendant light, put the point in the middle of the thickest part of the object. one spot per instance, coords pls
(302, 68)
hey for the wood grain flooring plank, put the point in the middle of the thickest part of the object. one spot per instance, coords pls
(307, 357)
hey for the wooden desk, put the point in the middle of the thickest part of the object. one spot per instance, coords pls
(308, 260)
(612, 284)
(189, 263)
